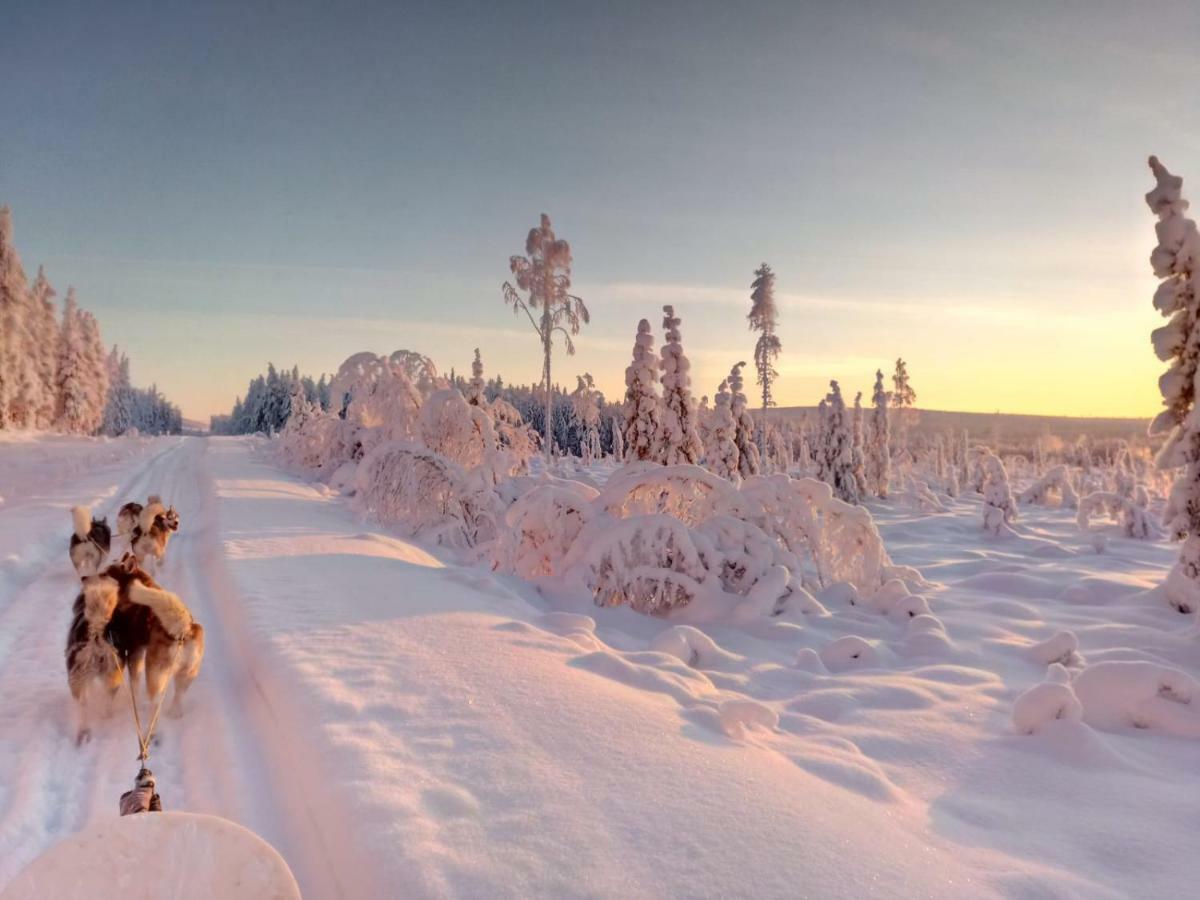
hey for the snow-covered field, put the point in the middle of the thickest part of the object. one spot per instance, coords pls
(401, 726)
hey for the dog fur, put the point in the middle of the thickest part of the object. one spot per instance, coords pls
(153, 631)
(93, 670)
(90, 542)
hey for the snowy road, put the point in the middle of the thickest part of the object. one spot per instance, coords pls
(399, 727)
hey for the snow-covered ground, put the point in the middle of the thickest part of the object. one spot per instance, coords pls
(397, 725)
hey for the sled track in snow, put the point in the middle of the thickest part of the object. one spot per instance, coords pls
(216, 759)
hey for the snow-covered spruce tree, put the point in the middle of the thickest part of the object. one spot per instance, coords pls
(1176, 260)
(71, 375)
(858, 444)
(643, 406)
(902, 399)
(743, 435)
(764, 317)
(544, 274)
(879, 450)
(837, 467)
(13, 306)
(618, 441)
(679, 440)
(44, 309)
(999, 507)
(475, 387)
(96, 366)
(721, 453)
(585, 406)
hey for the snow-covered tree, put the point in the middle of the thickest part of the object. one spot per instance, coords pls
(679, 439)
(643, 406)
(585, 406)
(544, 274)
(902, 399)
(837, 443)
(858, 444)
(475, 387)
(743, 435)
(72, 411)
(95, 362)
(1176, 260)
(14, 299)
(879, 452)
(46, 347)
(618, 441)
(721, 453)
(764, 317)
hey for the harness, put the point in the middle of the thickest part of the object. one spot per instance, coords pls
(143, 797)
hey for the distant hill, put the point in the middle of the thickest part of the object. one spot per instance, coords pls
(1012, 427)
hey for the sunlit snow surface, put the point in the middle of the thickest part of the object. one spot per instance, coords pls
(399, 725)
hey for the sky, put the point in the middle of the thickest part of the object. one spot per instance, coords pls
(959, 184)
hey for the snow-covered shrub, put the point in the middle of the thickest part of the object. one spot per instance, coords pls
(858, 447)
(541, 526)
(1120, 694)
(1133, 516)
(651, 563)
(643, 406)
(375, 394)
(452, 427)
(1056, 481)
(412, 486)
(688, 493)
(679, 441)
(999, 507)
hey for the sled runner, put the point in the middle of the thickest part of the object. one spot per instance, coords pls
(183, 856)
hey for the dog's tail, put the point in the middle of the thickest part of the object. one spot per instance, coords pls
(82, 517)
(170, 611)
(151, 512)
(153, 499)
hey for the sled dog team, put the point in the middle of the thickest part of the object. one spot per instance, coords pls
(125, 624)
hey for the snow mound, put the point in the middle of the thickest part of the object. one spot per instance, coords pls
(738, 716)
(692, 646)
(1062, 648)
(1049, 701)
(1118, 694)
(849, 652)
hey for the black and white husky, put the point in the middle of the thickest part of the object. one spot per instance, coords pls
(90, 543)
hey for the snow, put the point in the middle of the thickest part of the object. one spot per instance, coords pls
(398, 723)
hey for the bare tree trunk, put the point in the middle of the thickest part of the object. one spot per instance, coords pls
(547, 334)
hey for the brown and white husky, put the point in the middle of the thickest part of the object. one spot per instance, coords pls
(149, 536)
(124, 620)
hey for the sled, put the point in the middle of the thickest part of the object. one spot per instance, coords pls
(182, 856)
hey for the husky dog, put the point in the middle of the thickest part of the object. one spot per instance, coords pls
(152, 630)
(154, 528)
(130, 514)
(93, 669)
(90, 543)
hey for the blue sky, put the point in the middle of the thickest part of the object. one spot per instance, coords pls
(227, 184)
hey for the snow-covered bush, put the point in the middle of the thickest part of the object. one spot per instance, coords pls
(540, 527)
(679, 441)
(1133, 516)
(643, 406)
(999, 507)
(1056, 480)
(411, 486)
